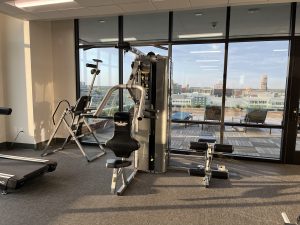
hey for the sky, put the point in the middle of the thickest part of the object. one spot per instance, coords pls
(201, 65)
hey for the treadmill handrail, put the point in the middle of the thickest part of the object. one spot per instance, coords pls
(6, 175)
(23, 158)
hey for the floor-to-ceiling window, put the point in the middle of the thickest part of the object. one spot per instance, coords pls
(197, 78)
(196, 91)
(255, 95)
(139, 29)
(99, 36)
(256, 79)
(297, 32)
(254, 69)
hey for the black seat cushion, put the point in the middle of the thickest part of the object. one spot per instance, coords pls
(122, 143)
(117, 163)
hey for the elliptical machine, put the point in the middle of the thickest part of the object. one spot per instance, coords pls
(78, 115)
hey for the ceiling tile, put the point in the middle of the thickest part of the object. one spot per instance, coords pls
(201, 3)
(171, 4)
(10, 10)
(129, 1)
(233, 2)
(53, 7)
(281, 1)
(87, 3)
(137, 7)
(64, 14)
(105, 10)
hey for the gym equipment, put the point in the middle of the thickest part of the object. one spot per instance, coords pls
(287, 221)
(122, 144)
(208, 146)
(17, 170)
(78, 115)
(151, 72)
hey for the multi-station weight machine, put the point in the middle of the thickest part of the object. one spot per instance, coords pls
(144, 129)
(146, 123)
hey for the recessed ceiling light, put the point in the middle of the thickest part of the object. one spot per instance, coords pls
(198, 14)
(33, 3)
(101, 21)
(253, 10)
(158, 0)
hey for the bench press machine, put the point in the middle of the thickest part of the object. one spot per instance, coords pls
(207, 145)
(78, 119)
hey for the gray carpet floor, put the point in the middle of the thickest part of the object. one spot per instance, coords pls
(79, 193)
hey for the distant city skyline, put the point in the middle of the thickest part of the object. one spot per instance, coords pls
(201, 65)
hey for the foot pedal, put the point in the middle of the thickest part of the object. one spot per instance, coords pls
(199, 172)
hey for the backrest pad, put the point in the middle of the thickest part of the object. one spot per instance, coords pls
(122, 143)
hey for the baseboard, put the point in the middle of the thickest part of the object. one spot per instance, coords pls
(3, 145)
(37, 146)
(42, 145)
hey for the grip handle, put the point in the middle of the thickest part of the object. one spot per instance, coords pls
(223, 148)
(207, 139)
(5, 111)
(91, 65)
(199, 146)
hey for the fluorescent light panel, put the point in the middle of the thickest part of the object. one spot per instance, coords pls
(210, 69)
(209, 66)
(203, 52)
(280, 50)
(33, 3)
(207, 60)
(116, 39)
(203, 35)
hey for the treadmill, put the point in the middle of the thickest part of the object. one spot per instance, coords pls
(15, 171)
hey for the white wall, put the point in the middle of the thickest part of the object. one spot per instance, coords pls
(16, 79)
(2, 86)
(64, 78)
(53, 73)
(42, 78)
(37, 69)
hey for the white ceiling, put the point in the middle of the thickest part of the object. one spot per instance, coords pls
(92, 8)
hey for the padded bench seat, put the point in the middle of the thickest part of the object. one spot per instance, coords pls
(117, 163)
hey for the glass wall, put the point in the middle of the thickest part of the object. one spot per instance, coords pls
(297, 29)
(102, 30)
(108, 77)
(196, 91)
(256, 70)
(255, 94)
(260, 20)
(146, 27)
(199, 24)
(128, 59)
